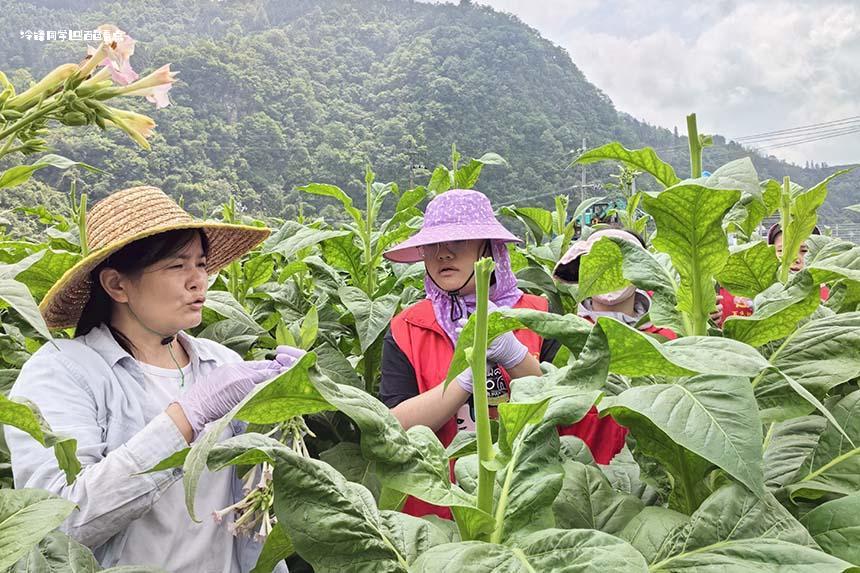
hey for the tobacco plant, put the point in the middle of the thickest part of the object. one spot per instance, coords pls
(742, 450)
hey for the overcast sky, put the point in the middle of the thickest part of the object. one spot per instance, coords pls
(744, 66)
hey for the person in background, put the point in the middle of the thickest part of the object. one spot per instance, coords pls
(628, 304)
(459, 228)
(132, 388)
(730, 305)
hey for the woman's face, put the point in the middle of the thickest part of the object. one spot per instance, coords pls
(452, 262)
(799, 262)
(168, 295)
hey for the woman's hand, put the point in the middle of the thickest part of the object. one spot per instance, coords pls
(506, 350)
(226, 386)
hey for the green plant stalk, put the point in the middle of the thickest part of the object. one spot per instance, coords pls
(689, 497)
(785, 219)
(82, 221)
(28, 119)
(499, 528)
(695, 147)
(370, 285)
(486, 477)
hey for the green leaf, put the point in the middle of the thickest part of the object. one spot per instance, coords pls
(778, 309)
(27, 516)
(18, 175)
(556, 550)
(720, 408)
(739, 174)
(410, 198)
(529, 484)
(568, 402)
(411, 536)
(635, 353)
(372, 317)
(600, 270)
(576, 450)
(258, 270)
(538, 221)
(835, 526)
(412, 462)
(346, 458)
(292, 237)
(820, 355)
(17, 296)
(650, 528)
(223, 303)
(833, 466)
(750, 269)
(45, 272)
(466, 176)
(803, 218)
(541, 217)
(689, 229)
(311, 498)
(748, 213)
(335, 365)
(65, 450)
(337, 193)
(836, 260)
(637, 266)
(21, 416)
(59, 552)
(27, 418)
(587, 501)
(645, 159)
(175, 460)
(440, 181)
(789, 443)
(259, 409)
(513, 418)
(571, 330)
(310, 328)
(735, 531)
(276, 548)
(286, 396)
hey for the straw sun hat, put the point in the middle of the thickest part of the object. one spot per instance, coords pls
(124, 217)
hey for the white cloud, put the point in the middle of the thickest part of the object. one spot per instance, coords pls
(744, 67)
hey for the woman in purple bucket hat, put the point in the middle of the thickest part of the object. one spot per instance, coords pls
(459, 228)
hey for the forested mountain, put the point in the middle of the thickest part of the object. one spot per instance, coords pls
(277, 93)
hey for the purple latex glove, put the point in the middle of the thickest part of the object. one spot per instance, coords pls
(465, 381)
(224, 387)
(286, 356)
(505, 350)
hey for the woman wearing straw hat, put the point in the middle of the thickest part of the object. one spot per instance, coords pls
(459, 228)
(133, 388)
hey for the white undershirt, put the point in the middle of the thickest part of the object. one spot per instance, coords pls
(166, 536)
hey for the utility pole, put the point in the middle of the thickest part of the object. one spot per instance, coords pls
(581, 150)
(412, 153)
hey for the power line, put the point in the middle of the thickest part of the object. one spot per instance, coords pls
(790, 137)
(811, 126)
(808, 140)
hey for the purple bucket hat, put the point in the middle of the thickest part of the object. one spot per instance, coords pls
(456, 215)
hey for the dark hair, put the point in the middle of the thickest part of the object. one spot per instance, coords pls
(775, 231)
(131, 260)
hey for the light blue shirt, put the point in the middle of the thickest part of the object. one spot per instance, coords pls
(90, 389)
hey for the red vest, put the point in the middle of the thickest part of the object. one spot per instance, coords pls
(429, 350)
(732, 308)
